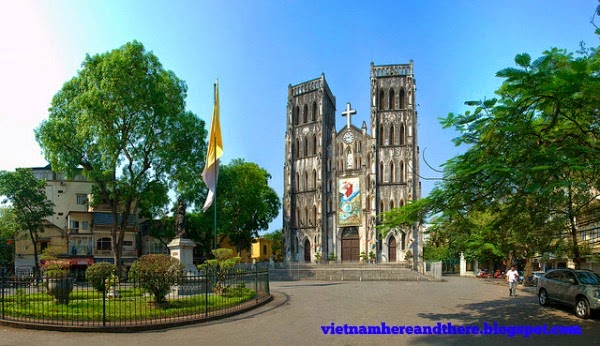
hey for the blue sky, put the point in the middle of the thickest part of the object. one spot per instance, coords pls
(256, 48)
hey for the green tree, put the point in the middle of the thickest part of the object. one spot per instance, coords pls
(8, 233)
(28, 203)
(219, 269)
(277, 238)
(122, 119)
(245, 202)
(533, 152)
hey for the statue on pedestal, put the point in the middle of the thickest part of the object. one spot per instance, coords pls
(180, 219)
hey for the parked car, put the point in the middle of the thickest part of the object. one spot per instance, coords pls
(536, 276)
(577, 288)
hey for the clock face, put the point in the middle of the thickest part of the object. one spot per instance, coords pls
(348, 137)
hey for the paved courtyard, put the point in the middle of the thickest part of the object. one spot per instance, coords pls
(300, 308)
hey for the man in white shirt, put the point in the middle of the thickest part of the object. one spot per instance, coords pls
(512, 276)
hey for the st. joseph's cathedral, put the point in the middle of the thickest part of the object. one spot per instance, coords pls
(338, 180)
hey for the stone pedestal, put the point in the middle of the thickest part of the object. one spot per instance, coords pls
(183, 250)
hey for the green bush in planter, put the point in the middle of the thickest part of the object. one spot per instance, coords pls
(97, 273)
(156, 274)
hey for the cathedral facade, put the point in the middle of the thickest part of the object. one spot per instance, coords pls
(336, 181)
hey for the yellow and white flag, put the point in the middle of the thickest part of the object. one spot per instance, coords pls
(214, 152)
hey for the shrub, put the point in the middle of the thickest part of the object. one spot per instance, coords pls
(218, 270)
(156, 274)
(97, 273)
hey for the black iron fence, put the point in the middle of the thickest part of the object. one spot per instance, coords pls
(132, 304)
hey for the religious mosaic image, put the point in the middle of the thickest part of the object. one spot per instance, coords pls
(349, 208)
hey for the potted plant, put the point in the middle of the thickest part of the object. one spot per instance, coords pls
(362, 257)
(318, 257)
(331, 257)
(56, 279)
(372, 256)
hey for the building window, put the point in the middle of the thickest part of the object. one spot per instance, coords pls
(402, 172)
(81, 199)
(314, 145)
(305, 113)
(264, 249)
(402, 135)
(381, 97)
(103, 244)
(392, 100)
(297, 148)
(313, 115)
(392, 137)
(306, 186)
(74, 224)
(297, 115)
(85, 225)
(401, 99)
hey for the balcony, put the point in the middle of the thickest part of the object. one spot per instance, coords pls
(72, 231)
(126, 253)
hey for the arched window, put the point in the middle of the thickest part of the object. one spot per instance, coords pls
(305, 141)
(401, 203)
(359, 161)
(298, 219)
(314, 179)
(381, 135)
(313, 114)
(402, 135)
(391, 205)
(306, 186)
(380, 172)
(103, 244)
(381, 100)
(314, 145)
(305, 113)
(402, 172)
(297, 115)
(392, 138)
(306, 219)
(392, 100)
(297, 181)
(297, 147)
(401, 99)
(392, 172)
(381, 207)
(314, 212)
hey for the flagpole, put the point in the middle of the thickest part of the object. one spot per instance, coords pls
(216, 175)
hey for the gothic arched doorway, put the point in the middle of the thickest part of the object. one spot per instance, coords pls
(350, 246)
(306, 251)
(392, 249)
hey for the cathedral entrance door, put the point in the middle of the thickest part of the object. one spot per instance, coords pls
(392, 249)
(306, 251)
(350, 244)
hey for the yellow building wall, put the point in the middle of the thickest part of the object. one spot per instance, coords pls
(259, 251)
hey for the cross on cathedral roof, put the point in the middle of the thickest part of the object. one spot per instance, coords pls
(348, 112)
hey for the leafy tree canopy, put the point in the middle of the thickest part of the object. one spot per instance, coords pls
(245, 202)
(28, 204)
(122, 119)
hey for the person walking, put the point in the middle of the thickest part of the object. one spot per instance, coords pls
(512, 277)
